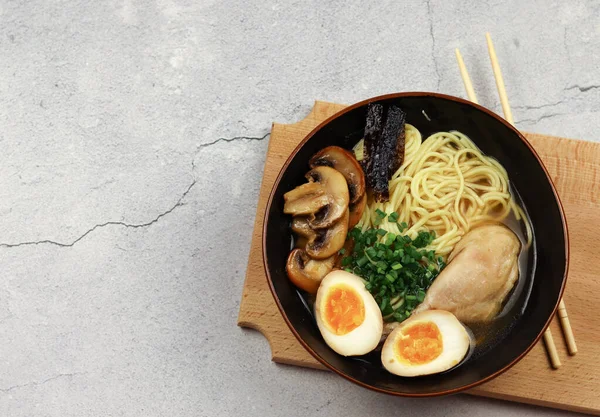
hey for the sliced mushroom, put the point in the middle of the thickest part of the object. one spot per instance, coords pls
(306, 273)
(343, 161)
(300, 242)
(356, 211)
(322, 243)
(301, 227)
(327, 242)
(306, 199)
(337, 192)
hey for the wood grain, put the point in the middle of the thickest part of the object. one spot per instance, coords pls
(575, 168)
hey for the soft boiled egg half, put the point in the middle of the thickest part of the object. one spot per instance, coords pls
(348, 316)
(427, 343)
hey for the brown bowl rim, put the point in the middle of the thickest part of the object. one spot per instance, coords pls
(392, 96)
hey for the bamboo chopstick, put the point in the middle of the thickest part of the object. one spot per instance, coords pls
(465, 76)
(562, 311)
(566, 327)
(551, 348)
(499, 80)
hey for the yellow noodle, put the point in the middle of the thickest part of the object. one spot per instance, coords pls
(446, 185)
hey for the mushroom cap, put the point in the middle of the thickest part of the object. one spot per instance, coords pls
(322, 243)
(356, 211)
(305, 199)
(307, 273)
(337, 192)
(301, 227)
(344, 162)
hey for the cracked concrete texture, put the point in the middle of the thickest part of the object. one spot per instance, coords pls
(133, 138)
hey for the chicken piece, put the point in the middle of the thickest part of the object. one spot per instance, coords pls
(482, 269)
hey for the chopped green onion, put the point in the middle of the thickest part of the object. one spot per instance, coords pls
(393, 266)
(390, 239)
(384, 303)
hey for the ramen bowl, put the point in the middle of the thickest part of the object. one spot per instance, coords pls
(546, 271)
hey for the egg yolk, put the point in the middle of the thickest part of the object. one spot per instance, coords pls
(420, 343)
(344, 309)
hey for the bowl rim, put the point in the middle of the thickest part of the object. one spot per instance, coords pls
(393, 96)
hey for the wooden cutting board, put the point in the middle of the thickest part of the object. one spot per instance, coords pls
(575, 168)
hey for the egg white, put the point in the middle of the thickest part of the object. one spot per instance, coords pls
(363, 338)
(455, 345)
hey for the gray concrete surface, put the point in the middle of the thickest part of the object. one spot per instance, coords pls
(132, 140)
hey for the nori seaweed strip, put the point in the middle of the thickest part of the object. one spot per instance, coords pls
(400, 145)
(373, 127)
(383, 147)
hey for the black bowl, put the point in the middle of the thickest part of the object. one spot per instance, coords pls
(495, 137)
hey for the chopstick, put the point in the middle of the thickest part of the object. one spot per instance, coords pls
(551, 348)
(499, 81)
(562, 311)
(465, 76)
(566, 326)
